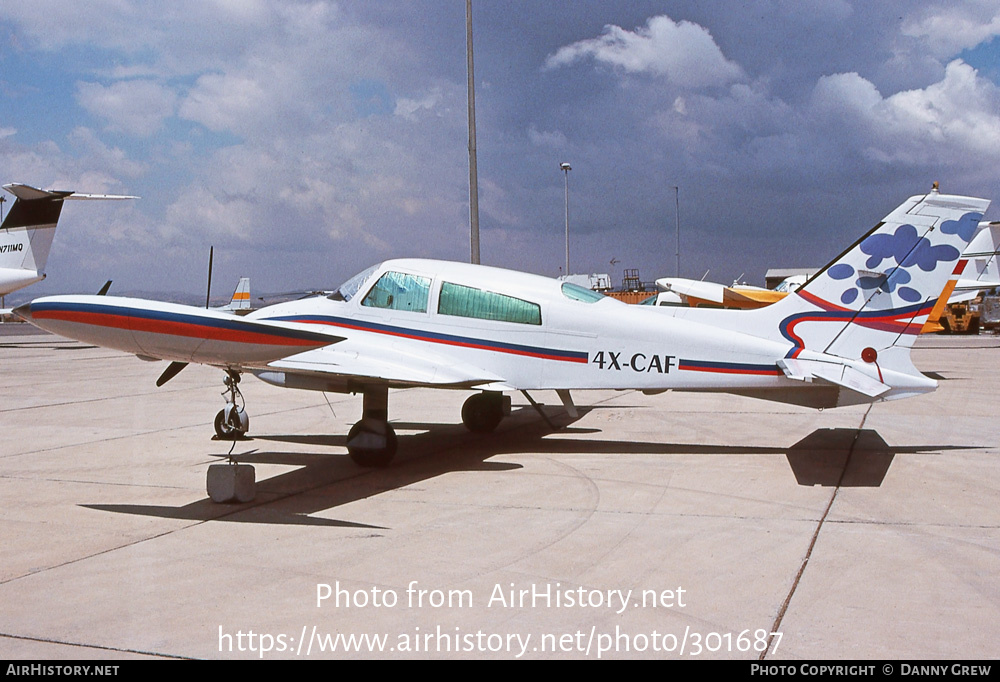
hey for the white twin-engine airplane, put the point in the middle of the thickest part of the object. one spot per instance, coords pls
(843, 338)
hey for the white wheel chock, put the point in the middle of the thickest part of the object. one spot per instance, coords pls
(231, 483)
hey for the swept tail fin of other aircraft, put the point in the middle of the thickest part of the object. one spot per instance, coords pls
(27, 231)
(241, 296)
(240, 302)
(981, 268)
(854, 322)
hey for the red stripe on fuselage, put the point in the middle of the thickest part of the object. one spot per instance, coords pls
(731, 370)
(186, 329)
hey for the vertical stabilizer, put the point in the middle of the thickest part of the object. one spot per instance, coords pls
(27, 231)
(28, 228)
(241, 297)
(981, 268)
(877, 295)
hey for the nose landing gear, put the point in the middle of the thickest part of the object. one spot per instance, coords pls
(232, 482)
(232, 422)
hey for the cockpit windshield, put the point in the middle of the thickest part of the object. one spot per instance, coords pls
(348, 289)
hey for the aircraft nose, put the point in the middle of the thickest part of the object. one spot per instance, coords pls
(23, 311)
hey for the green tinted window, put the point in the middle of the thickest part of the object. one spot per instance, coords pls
(578, 293)
(398, 291)
(465, 301)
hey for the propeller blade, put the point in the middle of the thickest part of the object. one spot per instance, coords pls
(208, 293)
(170, 372)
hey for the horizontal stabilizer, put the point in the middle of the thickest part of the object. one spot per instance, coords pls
(29, 193)
(834, 373)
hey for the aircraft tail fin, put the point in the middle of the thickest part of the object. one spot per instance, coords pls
(28, 228)
(983, 268)
(871, 302)
(239, 304)
(241, 297)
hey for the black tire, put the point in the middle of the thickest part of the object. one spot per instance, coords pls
(372, 457)
(481, 413)
(226, 430)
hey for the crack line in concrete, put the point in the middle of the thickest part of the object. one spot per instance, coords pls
(812, 542)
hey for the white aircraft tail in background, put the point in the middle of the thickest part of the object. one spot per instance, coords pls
(27, 232)
(979, 267)
(240, 303)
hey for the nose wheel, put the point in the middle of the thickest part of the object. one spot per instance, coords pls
(232, 422)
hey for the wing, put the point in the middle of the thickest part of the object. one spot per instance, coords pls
(708, 292)
(734, 297)
(348, 365)
(168, 331)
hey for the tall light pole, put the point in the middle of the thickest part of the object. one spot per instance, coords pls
(566, 168)
(473, 173)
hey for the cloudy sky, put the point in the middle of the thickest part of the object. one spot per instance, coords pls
(307, 140)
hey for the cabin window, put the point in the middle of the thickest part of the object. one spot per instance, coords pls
(578, 293)
(463, 301)
(399, 291)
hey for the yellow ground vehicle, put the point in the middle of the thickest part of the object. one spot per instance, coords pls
(961, 318)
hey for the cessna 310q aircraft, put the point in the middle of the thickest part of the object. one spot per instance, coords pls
(842, 339)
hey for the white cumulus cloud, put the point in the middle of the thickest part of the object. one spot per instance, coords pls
(952, 121)
(950, 28)
(683, 52)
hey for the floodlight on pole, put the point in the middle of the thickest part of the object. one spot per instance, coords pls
(566, 168)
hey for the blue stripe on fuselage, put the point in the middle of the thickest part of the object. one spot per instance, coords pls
(435, 337)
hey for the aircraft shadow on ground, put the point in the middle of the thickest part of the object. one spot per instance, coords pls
(827, 457)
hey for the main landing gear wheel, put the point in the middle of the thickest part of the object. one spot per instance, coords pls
(371, 443)
(483, 412)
